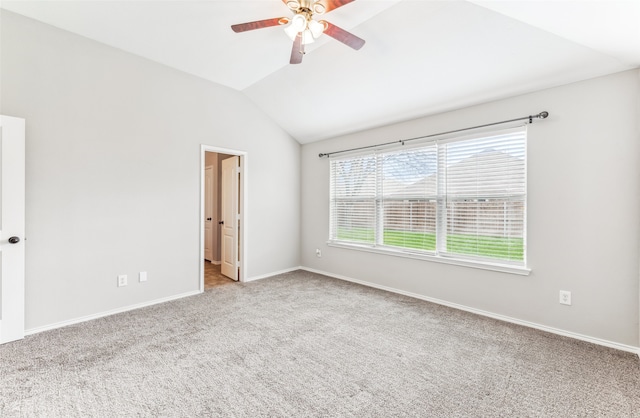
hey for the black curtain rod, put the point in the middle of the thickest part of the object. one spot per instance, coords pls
(541, 115)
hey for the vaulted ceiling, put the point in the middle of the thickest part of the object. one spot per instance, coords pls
(421, 57)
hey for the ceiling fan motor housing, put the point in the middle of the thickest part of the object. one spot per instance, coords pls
(308, 6)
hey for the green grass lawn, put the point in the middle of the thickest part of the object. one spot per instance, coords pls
(357, 234)
(410, 240)
(494, 247)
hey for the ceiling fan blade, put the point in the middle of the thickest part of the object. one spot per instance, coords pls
(342, 35)
(297, 52)
(334, 4)
(259, 24)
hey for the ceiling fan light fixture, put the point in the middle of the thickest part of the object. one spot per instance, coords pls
(307, 37)
(291, 33)
(316, 28)
(298, 24)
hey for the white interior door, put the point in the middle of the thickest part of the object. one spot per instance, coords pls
(229, 217)
(208, 213)
(11, 229)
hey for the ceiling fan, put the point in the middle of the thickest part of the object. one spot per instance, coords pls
(303, 29)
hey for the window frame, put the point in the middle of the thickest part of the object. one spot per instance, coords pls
(441, 216)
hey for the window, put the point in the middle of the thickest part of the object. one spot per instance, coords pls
(455, 199)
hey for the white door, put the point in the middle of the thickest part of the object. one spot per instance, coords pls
(11, 229)
(208, 213)
(229, 217)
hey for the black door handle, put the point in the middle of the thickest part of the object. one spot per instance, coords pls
(14, 240)
(208, 219)
(221, 223)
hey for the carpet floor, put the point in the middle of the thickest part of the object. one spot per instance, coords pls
(301, 344)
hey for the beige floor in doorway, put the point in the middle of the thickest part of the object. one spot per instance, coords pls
(213, 277)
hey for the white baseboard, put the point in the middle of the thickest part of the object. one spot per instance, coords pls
(598, 341)
(138, 306)
(107, 313)
(275, 273)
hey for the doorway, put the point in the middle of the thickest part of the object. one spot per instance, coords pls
(223, 215)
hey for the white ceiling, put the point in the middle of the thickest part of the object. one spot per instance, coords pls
(421, 57)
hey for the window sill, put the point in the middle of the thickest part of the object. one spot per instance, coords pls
(504, 268)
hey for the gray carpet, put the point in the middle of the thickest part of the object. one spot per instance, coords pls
(300, 344)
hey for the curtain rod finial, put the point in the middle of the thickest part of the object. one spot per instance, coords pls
(322, 155)
(543, 115)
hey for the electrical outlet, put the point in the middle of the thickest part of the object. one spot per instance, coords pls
(318, 252)
(142, 276)
(565, 297)
(122, 280)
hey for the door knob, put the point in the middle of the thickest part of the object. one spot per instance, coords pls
(208, 219)
(14, 240)
(221, 223)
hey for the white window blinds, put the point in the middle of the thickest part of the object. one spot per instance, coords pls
(459, 198)
(483, 182)
(353, 199)
(409, 198)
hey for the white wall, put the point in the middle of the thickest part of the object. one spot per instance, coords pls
(583, 213)
(113, 172)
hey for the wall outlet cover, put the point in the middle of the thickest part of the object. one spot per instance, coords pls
(565, 297)
(122, 280)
